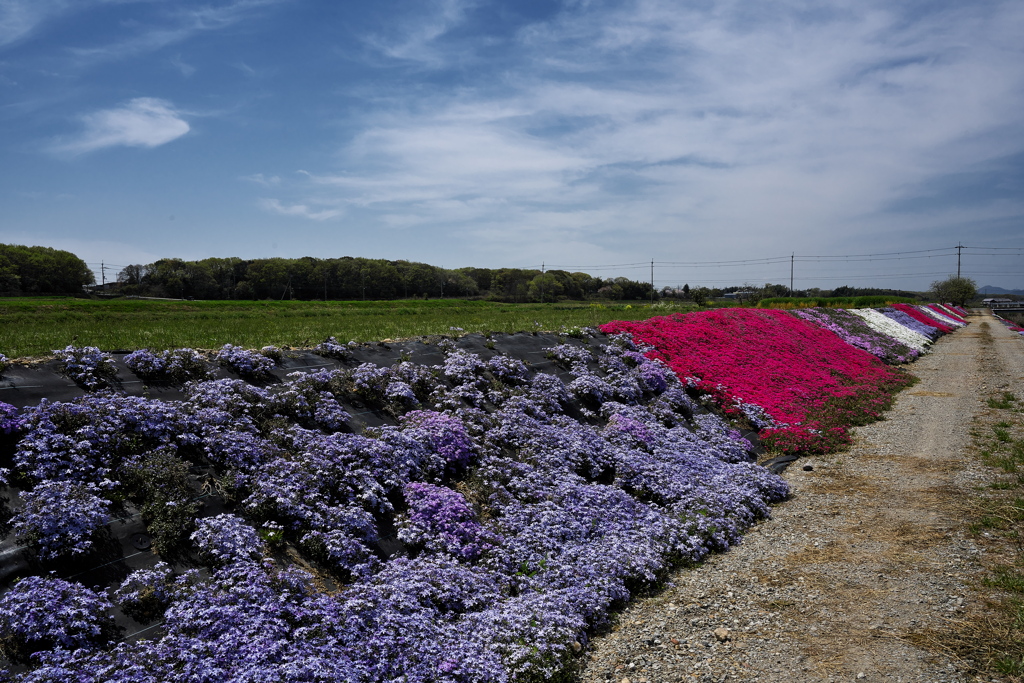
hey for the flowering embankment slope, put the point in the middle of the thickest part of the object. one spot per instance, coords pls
(491, 518)
(931, 319)
(1009, 323)
(812, 384)
(868, 333)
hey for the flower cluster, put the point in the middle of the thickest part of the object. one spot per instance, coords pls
(441, 521)
(462, 367)
(11, 422)
(4, 363)
(249, 364)
(570, 356)
(177, 366)
(225, 539)
(39, 613)
(332, 348)
(508, 370)
(87, 366)
(89, 438)
(274, 353)
(146, 593)
(61, 517)
(146, 364)
(310, 400)
(371, 382)
(443, 436)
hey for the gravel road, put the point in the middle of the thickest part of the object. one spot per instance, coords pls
(869, 551)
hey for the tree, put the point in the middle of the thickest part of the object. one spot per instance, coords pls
(955, 290)
(41, 270)
(545, 287)
(700, 295)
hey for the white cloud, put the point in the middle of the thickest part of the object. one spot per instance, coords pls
(142, 122)
(784, 129)
(300, 210)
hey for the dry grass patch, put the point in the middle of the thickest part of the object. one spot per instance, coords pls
(843, 483)
(990, 638)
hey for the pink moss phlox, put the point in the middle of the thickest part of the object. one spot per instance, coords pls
(799, 373)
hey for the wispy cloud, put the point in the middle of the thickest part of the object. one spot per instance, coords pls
(177, 25)
(142, 122)
(300, 210)
(18, 18)
(184, 68)
(265, 181)
(768, 119)
(415, 38)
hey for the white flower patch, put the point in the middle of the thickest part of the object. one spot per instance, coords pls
(951, 312)
(886, 325)
(938, 316)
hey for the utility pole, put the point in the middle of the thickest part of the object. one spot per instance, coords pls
(792, 257)
(542, 282)
(103, 274)
(652, 282)
(958, 248)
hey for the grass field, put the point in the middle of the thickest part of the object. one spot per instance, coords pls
(32, 327)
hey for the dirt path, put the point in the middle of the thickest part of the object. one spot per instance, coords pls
(868, 555)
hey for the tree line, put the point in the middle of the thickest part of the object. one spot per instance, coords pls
(41, 270)
(353, 278)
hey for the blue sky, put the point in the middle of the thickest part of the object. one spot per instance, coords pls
(577, 133)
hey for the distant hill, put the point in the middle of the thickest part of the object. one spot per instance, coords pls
(989, 289)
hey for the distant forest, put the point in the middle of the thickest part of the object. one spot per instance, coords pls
(41, 270)
(350, 278)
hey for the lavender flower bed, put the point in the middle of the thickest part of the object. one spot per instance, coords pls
(928, 331)
(479, 536)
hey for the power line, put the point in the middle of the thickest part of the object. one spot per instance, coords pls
(886, 253)
(861, 259)
(765, 260)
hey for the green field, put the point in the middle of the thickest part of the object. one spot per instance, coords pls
(32, 327)
(834, 301)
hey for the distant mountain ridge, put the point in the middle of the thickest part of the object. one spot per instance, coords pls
(989, 289)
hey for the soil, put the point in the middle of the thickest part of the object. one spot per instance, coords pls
(855, 572)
